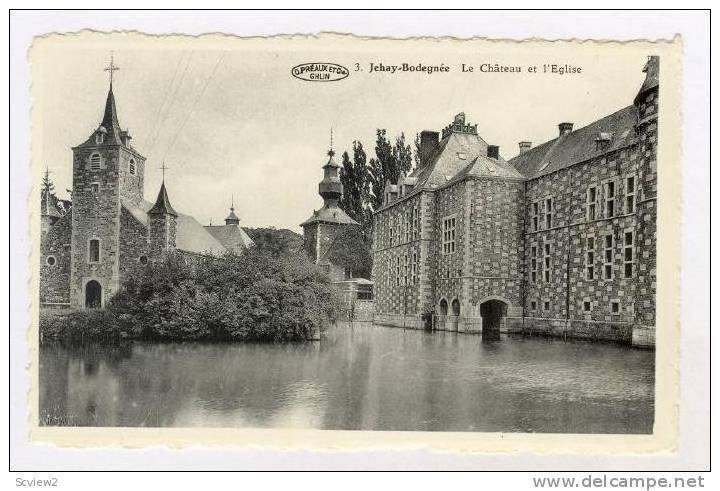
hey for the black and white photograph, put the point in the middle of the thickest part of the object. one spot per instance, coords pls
(461, 244)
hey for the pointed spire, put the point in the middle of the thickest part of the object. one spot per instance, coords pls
(162, 205)
(110, 119)
(331, 153)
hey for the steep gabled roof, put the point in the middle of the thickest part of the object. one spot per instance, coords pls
(579, 145)
(190, 235)
(459, 155)
(232, 237)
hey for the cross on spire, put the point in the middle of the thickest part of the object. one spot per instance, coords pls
(112, 67)
(163, 168)
(232, 202)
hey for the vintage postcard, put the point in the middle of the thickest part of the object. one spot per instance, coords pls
(334, 242)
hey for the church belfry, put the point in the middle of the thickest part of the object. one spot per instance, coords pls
(107, 172)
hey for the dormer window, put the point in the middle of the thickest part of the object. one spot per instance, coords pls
(132, 166)
(602, 142)
(95, 161)
(99, 138)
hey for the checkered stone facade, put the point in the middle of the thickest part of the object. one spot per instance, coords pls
(568, 250)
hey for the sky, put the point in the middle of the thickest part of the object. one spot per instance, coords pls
(230, 122)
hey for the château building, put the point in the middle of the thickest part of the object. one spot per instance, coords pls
(110, 229)
(559, 240)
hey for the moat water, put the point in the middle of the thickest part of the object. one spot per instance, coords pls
(359, 377)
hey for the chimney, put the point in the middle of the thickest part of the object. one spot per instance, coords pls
(565, 128)
(428, 141)
(524, 146)
(493, 151)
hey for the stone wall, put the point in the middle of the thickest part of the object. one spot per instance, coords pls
(133, 244)
(402, 244)
(495, 251)
(96, 215)
(132, 186)
(645, 307)
(55, 278)
(559, 306)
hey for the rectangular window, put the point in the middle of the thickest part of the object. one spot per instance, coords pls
(628, 253)
(406, 270)
(533, 263)
(397, 271)
(533, 305)
(591, 203)
(407, 226)
(95, 188)
(416, 227)
(630, 194)
(615, 307)
(547, 263)
(608, 257)
(414, 268)
(448, 235)
(587, 306)
(548, 213)
(609, 199)
(590, 258)
(535, 211)
(398, 230)
(94, 252)
(546, 306)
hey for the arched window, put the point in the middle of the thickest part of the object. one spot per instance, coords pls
(94, 251)
(99, 138)
(132, 167)
(95, 161)
(50, 261)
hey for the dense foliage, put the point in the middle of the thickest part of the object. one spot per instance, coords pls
(262, 295)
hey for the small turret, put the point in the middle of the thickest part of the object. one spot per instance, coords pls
(232, 218)
(162, 223)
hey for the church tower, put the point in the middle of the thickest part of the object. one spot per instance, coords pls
(321, 228)
(107, 171)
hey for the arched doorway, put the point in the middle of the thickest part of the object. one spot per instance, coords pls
(442, 318)
(493, 313)
(455, 313)
(93, 295)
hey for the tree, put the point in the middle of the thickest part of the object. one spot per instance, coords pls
(392, 162)
(354, 176)
(418, 155)
(351, 249)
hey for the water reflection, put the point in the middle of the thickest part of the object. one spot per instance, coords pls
(359, 377)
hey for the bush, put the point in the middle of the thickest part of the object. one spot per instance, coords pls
(274, 294)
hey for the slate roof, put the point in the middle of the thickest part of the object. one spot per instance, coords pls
(232, 236)
(110, 126)
(330, 214)
(459, 155)
(579, 145)
(190, 235)
(162, 205)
